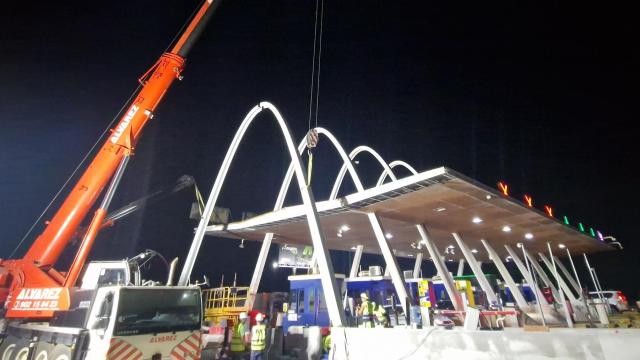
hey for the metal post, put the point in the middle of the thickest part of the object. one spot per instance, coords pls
(513, 287)
(561, 284)
(543, 276)
(391, 263)
(446, 277)
(460, 271)
(526, 272)
(595, 282)
(356, 261)
(417, 266)
(477, 271)
(569, 277)
(576, 275)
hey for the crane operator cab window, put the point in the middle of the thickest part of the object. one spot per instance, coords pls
(111, 277)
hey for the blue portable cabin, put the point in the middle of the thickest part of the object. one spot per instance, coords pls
(526, 291)
(307, 305)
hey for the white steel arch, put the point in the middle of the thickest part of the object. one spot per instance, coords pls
(393, 164)
(352, 155)
(326, 268)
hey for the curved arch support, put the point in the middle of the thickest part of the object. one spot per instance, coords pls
(326, 268)
(393, 164)
(352, 155)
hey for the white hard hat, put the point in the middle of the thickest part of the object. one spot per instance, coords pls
(259, 317)
(364, 296)
(243, 315)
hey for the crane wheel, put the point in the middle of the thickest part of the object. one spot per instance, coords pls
(60, 352)
(8, 347)
(43, 351)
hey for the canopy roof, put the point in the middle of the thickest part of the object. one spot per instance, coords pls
(442, 199)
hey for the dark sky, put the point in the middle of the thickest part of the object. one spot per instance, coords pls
(538, 95)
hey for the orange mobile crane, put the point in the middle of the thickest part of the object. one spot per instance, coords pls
(31, 289)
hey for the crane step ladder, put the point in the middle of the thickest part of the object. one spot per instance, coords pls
(226, 302)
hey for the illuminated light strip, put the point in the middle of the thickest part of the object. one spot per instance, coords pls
(593, 233)
(600, 235)
(549, 210)
(504, 188)
(566, 220)
(528, 200)
(581, 226)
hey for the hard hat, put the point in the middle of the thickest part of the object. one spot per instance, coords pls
(259, 317)
(364, 296)
(243, 315)
(324, 331)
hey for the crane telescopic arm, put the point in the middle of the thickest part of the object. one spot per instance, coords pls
(35, 269)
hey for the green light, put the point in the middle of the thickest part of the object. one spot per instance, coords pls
(593, 233)
(566, 220)
(581, 226)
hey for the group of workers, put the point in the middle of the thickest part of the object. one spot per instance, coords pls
(244, 336)
(372, 314)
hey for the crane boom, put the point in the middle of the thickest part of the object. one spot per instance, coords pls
(35, 269)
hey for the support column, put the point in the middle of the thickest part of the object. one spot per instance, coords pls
(569, 277)
(259, 269)
(417, 266)
(513, 287)
(525, 273)
(460, 268)
(391, 263)
(446, 277)
(356, 261)
(543, 276)
(559, 279)
(477, 270)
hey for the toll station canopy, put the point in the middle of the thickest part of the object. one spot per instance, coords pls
(442, 199)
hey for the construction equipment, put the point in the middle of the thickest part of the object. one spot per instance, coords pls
(43, 309)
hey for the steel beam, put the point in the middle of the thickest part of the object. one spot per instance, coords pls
(569, 277)
(477, 270)
(543, 276)
(259, 269)
(391, 262)
(443, 272)
(460, 268)
(513, 287)
(417, 266)
(526, 274)
(559, 279)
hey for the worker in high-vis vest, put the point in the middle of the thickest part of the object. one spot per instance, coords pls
(258, 338)
(326, 340)
(380, 314)
(366, 311)
(239, 336)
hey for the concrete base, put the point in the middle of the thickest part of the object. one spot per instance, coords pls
(439, 344)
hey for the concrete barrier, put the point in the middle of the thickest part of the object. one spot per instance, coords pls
(441, 344)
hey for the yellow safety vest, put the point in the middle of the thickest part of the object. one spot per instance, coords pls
(326, 343)
(237, 338)
(367, 310)
(258, 337)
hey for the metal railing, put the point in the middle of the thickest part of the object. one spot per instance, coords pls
(225, 302)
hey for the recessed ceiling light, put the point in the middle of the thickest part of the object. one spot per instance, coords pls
(506, 228)
(353, 248)
(562, 246)
(508, 258)
(440, 209)
(345, 228)
(388, 236)
(475, 251)
(339, 234)
(450, 260)
(476, 220)
(528, 236)
(488, 197)
(274, 264)
(410, 255)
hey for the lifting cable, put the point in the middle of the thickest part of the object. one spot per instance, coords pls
(312, 135)
(95, 144)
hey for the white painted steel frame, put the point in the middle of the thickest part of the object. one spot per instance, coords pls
(506, 276)
(477, 270)
(417, 266)
(336, 314)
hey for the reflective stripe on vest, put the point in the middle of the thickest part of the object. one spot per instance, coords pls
(258, 337)
(237, 338)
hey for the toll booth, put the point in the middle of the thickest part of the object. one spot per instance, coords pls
(307, 305)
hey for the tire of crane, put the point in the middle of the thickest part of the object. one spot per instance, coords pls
(20, 351)
(7, 347)
(60, 352)
(43, 351)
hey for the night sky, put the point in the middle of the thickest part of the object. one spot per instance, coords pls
(539, 96)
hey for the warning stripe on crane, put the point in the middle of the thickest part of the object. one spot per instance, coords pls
(189, 348)
(121, 350)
